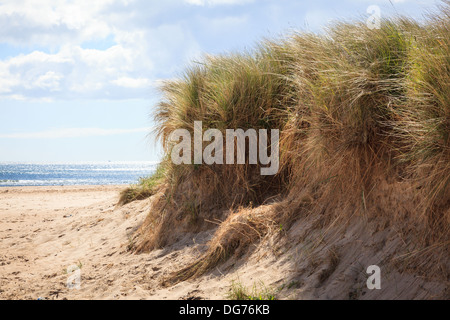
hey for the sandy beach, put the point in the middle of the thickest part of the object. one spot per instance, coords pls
(45, 230)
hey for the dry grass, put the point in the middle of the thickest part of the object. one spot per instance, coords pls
(146, 187)
(233, 237)
(358, 109)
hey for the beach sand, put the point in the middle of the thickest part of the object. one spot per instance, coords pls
(45, 230)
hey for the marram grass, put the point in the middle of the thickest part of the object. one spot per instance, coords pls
(352, 105)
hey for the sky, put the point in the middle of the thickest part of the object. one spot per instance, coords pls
(79, 78)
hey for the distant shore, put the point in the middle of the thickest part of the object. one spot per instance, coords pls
(18, 174)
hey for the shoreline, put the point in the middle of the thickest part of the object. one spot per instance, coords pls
(73, 174)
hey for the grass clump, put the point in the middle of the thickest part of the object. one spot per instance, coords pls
(237, 91)
(259, 292)
(145, 188)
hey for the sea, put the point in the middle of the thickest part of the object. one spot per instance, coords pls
(20, 174)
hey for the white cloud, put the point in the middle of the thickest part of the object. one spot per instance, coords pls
(74, 72)
(137, 52)
(127, 82)
(50, 80)
(72, 133)
(48, 22)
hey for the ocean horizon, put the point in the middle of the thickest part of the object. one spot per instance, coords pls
(22, 174)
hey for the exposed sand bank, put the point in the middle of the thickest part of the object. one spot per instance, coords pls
(44, 230)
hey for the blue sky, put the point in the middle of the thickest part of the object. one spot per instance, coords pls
(78, 78)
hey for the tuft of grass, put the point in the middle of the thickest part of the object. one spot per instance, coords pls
(236, 91)
(145, 188)
(79, 265)
(258, 292)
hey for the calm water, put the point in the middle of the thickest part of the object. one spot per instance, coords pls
(57, 174)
